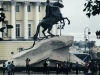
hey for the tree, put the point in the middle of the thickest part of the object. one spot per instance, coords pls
(2, 17)
(92, 7)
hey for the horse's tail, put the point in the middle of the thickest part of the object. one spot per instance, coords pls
(37, 32)
(31, 46)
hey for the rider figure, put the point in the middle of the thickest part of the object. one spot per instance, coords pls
(49, 10)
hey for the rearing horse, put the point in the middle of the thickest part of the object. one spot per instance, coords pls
(49, 22)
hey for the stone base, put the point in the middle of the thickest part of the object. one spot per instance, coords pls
(55, 48)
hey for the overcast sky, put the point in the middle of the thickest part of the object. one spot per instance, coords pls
(73, 9)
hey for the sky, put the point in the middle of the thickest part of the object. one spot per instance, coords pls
(73, 9)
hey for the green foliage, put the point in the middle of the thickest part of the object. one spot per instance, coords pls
(2, 15)
(92, 7)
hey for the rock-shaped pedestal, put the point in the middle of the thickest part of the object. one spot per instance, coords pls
(56, 48)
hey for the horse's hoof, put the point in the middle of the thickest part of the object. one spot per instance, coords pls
(68, 23)
(52, 35)
(57, 35)
(46, 37)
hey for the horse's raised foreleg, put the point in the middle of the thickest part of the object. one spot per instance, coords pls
(63, 19)
(67, 20)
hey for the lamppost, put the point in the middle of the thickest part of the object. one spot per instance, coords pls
(87, 42)
(60, 27)
(85, 36)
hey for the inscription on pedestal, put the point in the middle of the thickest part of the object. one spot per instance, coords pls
(57, 43)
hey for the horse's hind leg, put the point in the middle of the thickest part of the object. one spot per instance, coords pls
(49, 29)
(44, 31)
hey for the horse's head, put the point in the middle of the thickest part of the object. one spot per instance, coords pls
(58, 4)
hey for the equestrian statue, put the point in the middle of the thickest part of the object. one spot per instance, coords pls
(53, 16)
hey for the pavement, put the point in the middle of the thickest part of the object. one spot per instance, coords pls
(40, 73)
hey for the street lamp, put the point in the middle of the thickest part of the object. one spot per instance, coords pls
(60, 27)
(85, 36)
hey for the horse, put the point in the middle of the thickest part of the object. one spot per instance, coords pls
(49, 22)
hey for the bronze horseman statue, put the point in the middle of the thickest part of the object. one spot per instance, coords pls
(53, 15)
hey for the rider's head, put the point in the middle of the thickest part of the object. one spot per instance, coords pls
(47, 1)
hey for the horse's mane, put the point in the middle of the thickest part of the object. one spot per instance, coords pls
(58, 4)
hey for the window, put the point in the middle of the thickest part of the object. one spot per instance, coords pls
(17, 30)
(17, 8)
(29, 8)
(29, 30)
(5, 6)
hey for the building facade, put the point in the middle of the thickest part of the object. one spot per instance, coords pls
(24, 15)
